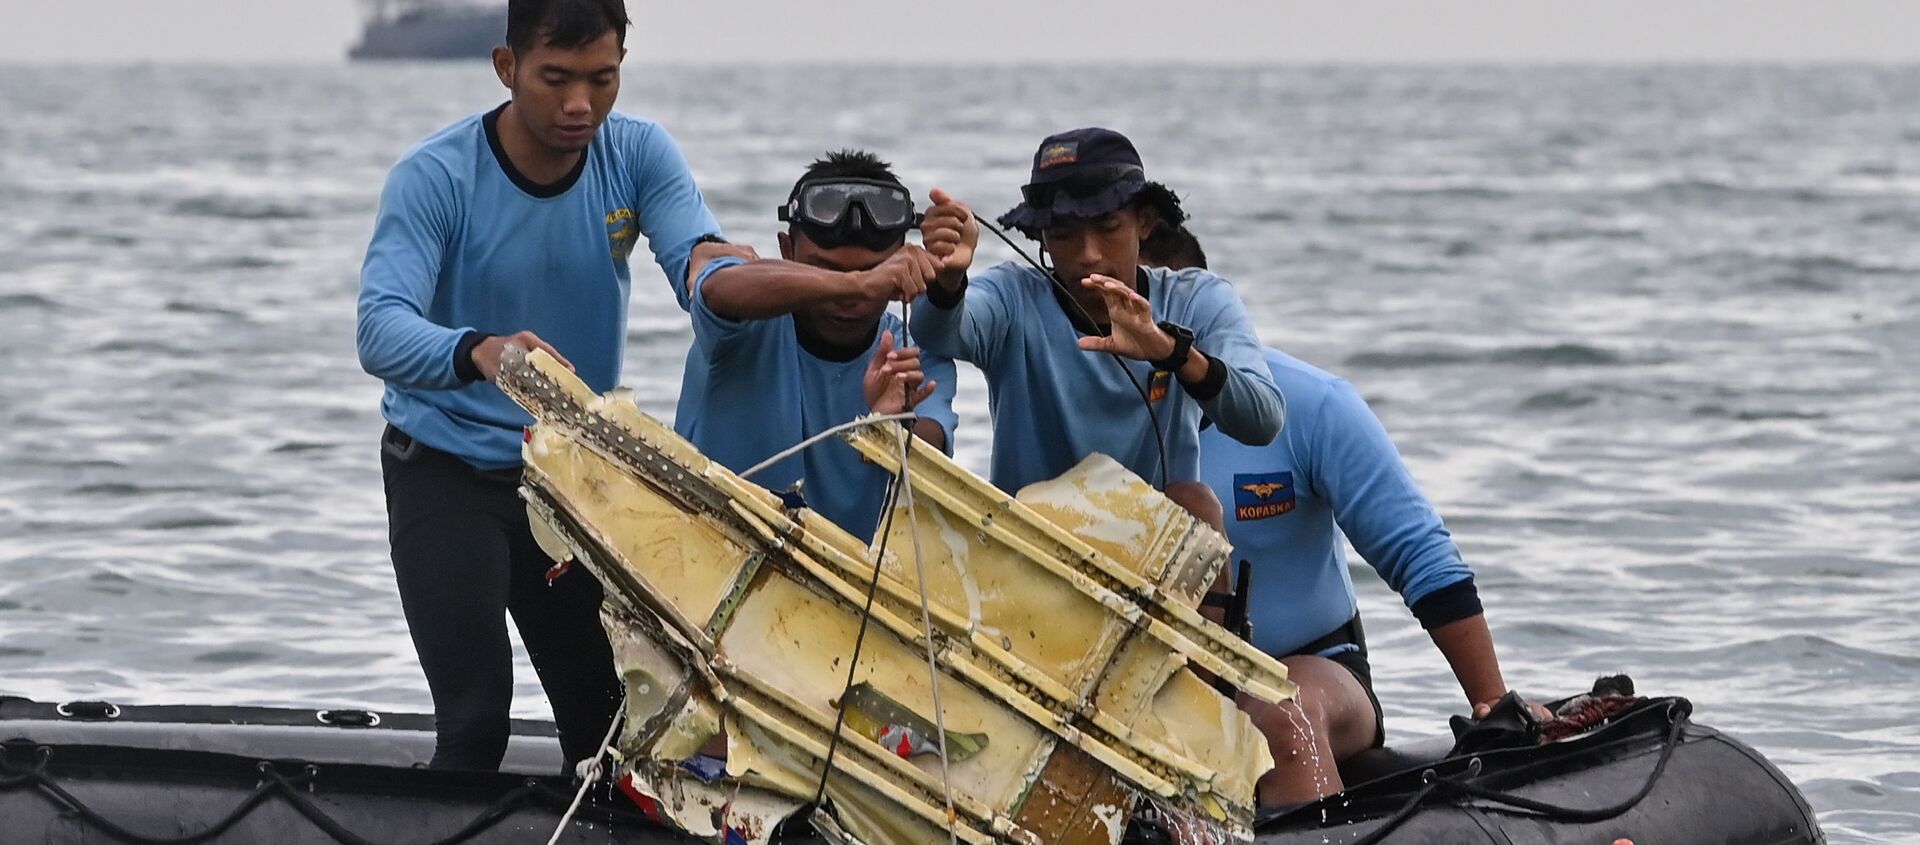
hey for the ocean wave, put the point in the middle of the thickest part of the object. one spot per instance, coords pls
(1807, 650)
(182, 307)
(1402, 268)
(1795, 272)
(233, 657)
(242, 262)
(122, 489)
(294, 447)
(1468, 191)
(1585, 233)
(1632, 185)
(1552, 355)
(1900, 216)
(239, 208)
(28, 302)
(1712, 411)
(1565, 399)
(185, 521)
(96, 237)
(142, 346)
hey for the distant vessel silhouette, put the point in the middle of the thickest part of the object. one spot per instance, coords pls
(431, 29)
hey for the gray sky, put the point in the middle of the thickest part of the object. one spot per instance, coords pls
(1027, 30)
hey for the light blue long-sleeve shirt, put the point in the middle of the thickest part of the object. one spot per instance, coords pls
(1053, 404)
(752, 390)
(462, 243)
(1333, 470)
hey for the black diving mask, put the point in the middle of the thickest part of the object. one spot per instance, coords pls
(828, 204)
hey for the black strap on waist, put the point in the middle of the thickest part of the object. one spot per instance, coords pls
(1349, 633)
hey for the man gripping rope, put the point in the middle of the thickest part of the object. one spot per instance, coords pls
(785, 349)
(1056, 398)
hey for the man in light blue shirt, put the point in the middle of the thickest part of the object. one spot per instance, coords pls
(512, 226)
(785, 349)
(1332, 472)
(1039, 338)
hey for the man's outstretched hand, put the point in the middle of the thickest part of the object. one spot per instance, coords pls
(1134, 333)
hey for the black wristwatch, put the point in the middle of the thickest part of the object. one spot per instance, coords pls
(1182, 344)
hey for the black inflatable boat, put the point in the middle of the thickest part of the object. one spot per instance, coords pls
(1645, 773)
(93, 772)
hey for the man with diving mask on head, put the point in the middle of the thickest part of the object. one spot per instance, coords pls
(785, 349)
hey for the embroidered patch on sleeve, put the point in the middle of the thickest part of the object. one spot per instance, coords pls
(1260, 495)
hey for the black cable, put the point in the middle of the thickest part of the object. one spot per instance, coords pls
(487, 818)
(860, 638)
(1146, 402)
(1555, 812)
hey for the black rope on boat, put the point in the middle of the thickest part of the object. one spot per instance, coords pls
(273, 783)
(506, 806)
(1555, 812)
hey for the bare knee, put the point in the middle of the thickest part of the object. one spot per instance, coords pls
(1290, 729)
(1335, 702)
(1303, 765)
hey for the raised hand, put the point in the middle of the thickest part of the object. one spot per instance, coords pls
(900, 278)
(486, 354)
(1134, 333)
(892, 375)
(950, 232)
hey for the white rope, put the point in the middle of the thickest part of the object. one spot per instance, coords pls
(926, 626)
(589, 772)
(804, 444)
(926, 615)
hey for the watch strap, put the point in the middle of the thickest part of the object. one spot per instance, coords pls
(1182, 345)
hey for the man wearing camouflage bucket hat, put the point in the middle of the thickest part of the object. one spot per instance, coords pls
(1037, 335)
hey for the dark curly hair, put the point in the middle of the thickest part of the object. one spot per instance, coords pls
(847, 164)
(563, 23)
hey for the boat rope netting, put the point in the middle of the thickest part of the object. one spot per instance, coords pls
(1452, 787)
(531, 795)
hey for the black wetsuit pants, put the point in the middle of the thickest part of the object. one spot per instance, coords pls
(464, 558)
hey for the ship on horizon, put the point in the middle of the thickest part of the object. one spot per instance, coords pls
(431, 29)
